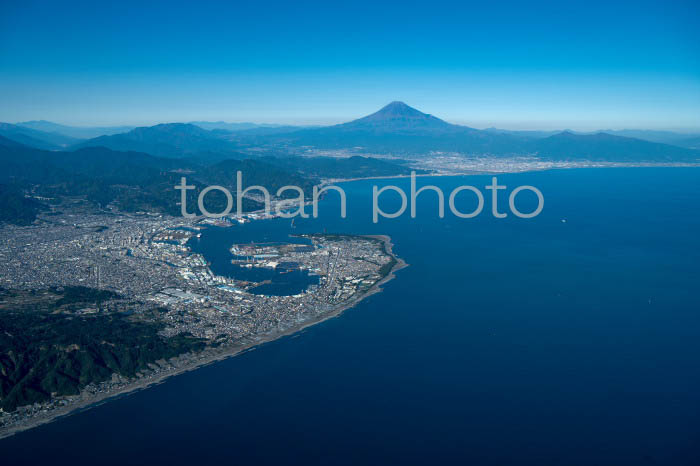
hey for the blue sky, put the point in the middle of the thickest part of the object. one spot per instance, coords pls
(580, 65)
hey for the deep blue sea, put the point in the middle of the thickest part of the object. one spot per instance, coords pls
(506, 341)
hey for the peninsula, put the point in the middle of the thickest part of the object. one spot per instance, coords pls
(129, 304)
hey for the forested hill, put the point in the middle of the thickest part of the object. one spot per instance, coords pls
(131, 181)
(49, 348)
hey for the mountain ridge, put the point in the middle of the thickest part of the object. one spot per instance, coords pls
(399, 128)
(165, 140)
(601, 146)
(36, 138)
(76, 132)
(396, 128)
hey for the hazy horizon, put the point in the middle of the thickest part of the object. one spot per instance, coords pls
(508, 126)
(580, 65)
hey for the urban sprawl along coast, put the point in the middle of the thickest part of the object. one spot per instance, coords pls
(140, 268)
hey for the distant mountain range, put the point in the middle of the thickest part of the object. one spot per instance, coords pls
(75, 132)
(36, 138)
(398, 128)
(687, 140)
(168, 140)
(131, 181)
(395, 129)
(135, 181)
(603, 147)
(210, 125)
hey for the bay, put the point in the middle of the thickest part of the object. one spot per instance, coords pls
(570, 338)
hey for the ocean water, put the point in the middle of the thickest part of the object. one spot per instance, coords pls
(506, 341)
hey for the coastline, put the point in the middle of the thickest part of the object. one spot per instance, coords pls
(528, 169)
(212, 356)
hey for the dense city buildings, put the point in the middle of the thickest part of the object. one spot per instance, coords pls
(144, 272)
